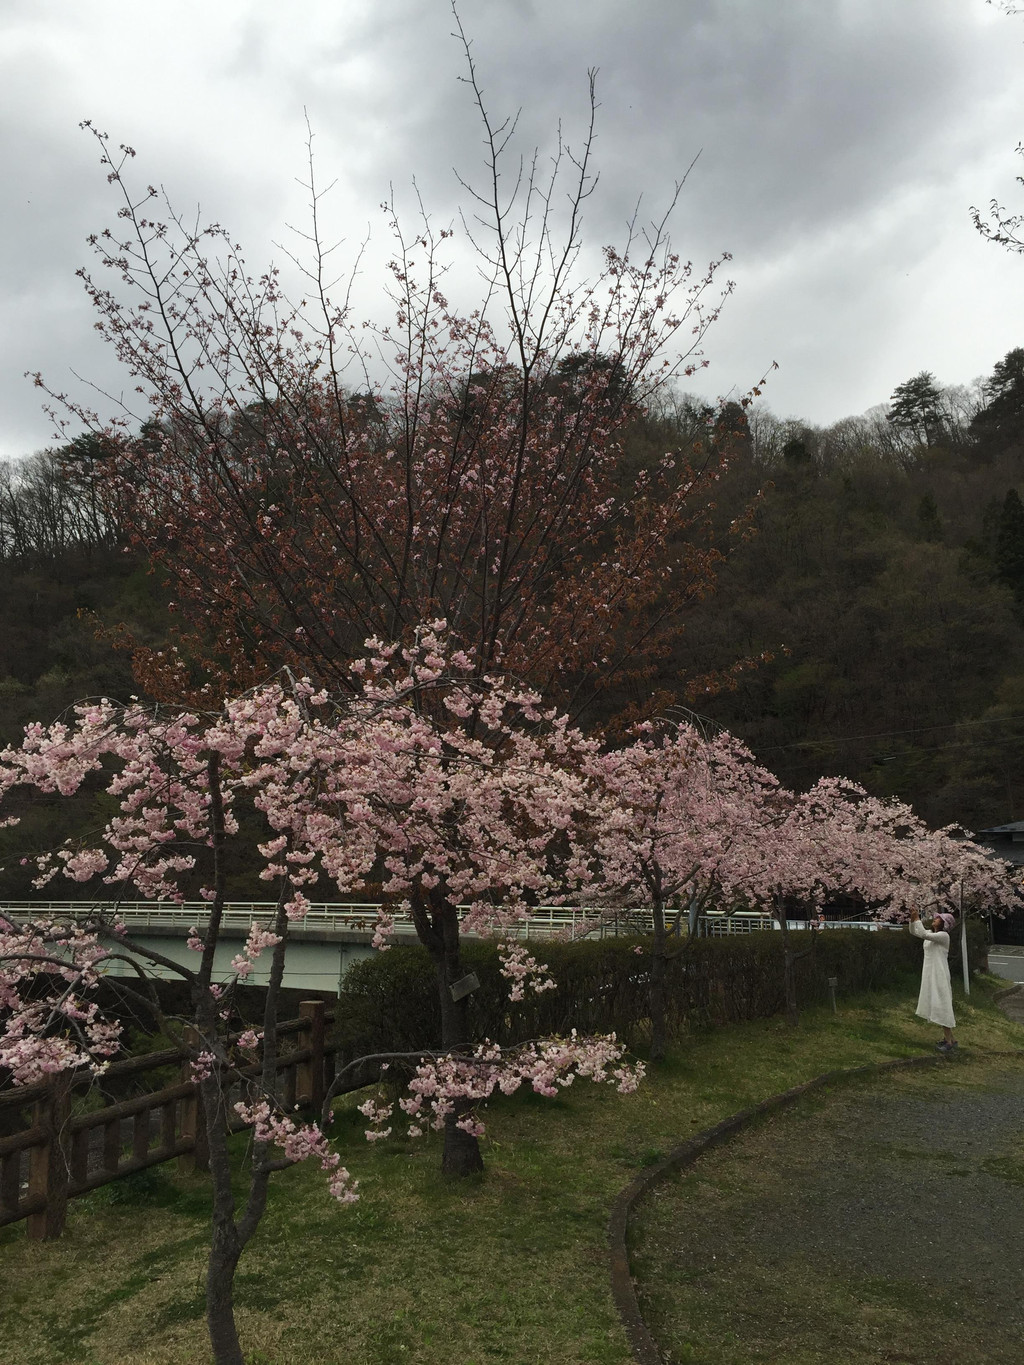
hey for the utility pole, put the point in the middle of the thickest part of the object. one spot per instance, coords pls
(963, 941)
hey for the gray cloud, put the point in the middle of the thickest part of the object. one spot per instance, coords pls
(841, 143)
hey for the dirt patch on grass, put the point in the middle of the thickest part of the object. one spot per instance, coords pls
(826, 1233)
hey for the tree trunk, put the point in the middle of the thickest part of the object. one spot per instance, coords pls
(461, 1155)
(225, 1250)
(230, 1237)
(659, 957)
(225, 1243)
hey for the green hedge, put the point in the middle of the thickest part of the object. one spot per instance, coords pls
(390, 1000)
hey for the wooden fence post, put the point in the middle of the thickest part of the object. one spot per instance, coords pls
(310, 1081)
(193, 1118)
(50, 1162)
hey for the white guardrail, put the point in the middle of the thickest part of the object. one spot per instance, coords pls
(544, 921)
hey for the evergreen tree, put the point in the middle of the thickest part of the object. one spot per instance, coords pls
(1001, 421)
(916, 408)
(796, 454)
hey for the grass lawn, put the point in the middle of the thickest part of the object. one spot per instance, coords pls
(509, 1267)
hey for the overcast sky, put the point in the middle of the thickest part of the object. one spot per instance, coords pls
(841, 144)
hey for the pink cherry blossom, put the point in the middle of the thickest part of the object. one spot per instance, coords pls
(442, 1086)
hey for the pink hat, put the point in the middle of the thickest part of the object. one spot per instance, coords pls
(949, 922)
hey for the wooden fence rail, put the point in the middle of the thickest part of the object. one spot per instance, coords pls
(62, 1154)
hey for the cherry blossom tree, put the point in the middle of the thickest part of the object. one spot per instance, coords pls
(177, 778)
(789, 849)
(678, 802)
(478, 807)
(695, 818)
(329, 781)
(305, 481)
(836, 839)
(896, 863)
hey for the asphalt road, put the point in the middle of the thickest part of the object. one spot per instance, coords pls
(1007, 960)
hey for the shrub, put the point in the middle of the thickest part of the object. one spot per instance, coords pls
(389, 1003)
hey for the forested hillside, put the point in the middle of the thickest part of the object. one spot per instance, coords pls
(874, 570)
(887, 577)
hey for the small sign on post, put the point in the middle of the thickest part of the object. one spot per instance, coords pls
(465, 985)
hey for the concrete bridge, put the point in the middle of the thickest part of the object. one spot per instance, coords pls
(324, 944)
(321, 947)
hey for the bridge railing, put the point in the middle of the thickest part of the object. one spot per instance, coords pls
(238, 915)
(544, 921)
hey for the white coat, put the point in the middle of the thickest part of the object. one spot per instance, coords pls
(935, 1002)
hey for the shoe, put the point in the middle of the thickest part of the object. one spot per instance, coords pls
(947, 1047)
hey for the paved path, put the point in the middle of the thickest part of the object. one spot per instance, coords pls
(882, 1222)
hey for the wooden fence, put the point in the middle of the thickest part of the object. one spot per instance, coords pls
(63, 1154)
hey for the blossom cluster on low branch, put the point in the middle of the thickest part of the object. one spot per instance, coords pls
(441, 1086)
(49, 1024)
(299, 1142)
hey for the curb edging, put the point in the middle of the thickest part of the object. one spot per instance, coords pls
(642, 1344)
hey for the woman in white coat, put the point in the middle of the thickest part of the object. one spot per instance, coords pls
(935, 1002)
